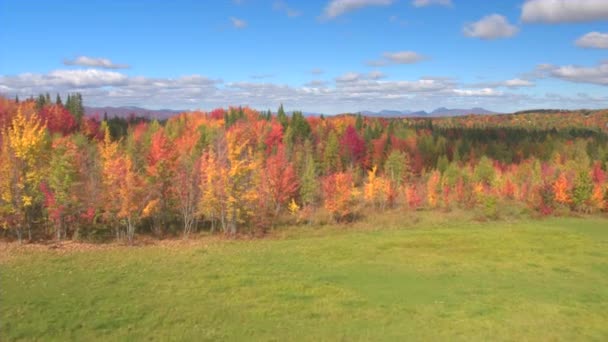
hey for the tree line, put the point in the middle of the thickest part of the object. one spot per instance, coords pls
(241, 171)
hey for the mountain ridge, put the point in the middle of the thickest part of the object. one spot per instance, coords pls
(161, 114)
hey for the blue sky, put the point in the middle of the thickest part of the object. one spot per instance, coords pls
(327, 56)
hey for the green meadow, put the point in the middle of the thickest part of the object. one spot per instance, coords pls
(395, 279)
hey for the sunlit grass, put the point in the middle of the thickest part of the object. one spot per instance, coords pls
(425, 277)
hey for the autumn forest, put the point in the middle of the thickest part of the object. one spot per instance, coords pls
(234, 171)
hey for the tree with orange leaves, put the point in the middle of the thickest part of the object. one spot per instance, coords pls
(432, 186)
(279, 182)
(159, 172)
(561, 190)
(112, 173)
(339, 195)
(132, 203)
(187, 177)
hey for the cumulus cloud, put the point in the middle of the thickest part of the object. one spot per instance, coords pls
(593, 40)
(423, 3)
(399, 57)
(478, 92)
(564, 11)
(282, 6)
(94, 62)
(350, 92)
(316, 83)
(493, 26)
(355, 77)
(112, 88)
(348, 77)
(517, 83)
(238, 23)
(512, 84)
(336, 8)
(404, 57)
(594, 75)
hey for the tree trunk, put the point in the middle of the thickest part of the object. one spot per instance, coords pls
(233, 222)
(20, 234)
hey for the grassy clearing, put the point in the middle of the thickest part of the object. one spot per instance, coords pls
(423, 278)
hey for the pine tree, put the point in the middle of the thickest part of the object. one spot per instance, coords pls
(331, 156)
(359, 122)
(309, 190)
(282, 117)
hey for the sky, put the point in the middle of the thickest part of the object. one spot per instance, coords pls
(323, 56)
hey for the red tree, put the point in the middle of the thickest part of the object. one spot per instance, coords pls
(353, 146)
(279, 180)
(58, 119)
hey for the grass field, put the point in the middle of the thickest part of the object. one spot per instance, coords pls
(430, 280)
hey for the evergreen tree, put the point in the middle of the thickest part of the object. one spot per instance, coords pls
(309, 189)
(40, 102)
(442, 163)
(58, 100)
(331, 155)
(282, 117)
(300, 127)
(359, 122)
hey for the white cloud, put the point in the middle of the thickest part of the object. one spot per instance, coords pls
(316, 71)
(348, 77)
(593, 40)
(493, 26)
(94, 62)
(478, 92)
(399, 57)
(512, 84)
(282, 6)
(517, 83)
(422, 3)
(564, 11)
(594, 75)
(316, 83)
(350, 92)
(238, 23)
(404, 57)
(336, 8)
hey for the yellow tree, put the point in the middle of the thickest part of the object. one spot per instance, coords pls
(21, 170)
(242, 167)
(228, 181)
(377, 190)
(112, 172)
(213, 183)
(133, 205)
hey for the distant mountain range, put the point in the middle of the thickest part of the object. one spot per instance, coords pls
(162, 114)
(126, 111)
(442, 111)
